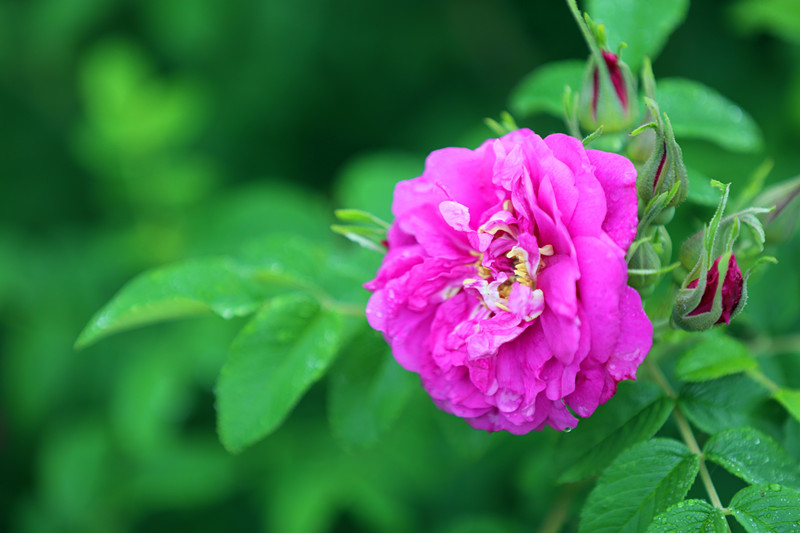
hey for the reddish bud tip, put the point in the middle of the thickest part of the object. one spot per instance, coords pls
(732, 287)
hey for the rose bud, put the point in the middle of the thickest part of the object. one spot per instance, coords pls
(646, 261)
(607, 93)
(664, 168)
(710, 302)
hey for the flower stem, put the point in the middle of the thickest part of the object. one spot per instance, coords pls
(691, 442)
(688, 437)
(757, 375)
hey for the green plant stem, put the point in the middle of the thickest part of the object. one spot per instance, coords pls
(758, 376)
(587, 34)
(691, 442)
(688, 437)
(771, 346)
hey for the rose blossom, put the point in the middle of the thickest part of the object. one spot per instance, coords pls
(504, 285)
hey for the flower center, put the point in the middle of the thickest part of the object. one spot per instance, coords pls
(503, 274)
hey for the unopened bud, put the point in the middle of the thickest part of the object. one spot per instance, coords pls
(705, 302)
(645, 266)
(664, 168)
(607, 93)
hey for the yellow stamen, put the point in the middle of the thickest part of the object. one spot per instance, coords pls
(502, 306)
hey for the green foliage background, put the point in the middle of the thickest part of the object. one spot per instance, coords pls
(136, 134)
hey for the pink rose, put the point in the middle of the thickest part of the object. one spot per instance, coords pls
(505, 283)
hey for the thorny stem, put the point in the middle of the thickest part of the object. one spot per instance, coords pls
(688, 437)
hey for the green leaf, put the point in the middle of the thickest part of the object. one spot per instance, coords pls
(753, 456)
(790, 400)
(634, 414)
(699, 112)
(722, 403)
(767, 509)
(275, 358)
(701, 192)
(641, 483)
(717, 355)
(643, 26)
(190, 288)
(542, 91)
(690, 515)
(363, 217)
(367, 391)
(779, 17)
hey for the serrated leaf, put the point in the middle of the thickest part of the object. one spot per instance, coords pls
(367, 391)
(542, 91)
(190, 288)
(688, 516)
(721, 403)
(699, 112)
(767, 509)
(753, 456)
(643, 26)
(273, 361)
(641, 483)
(634, 414)
(790, 400)
(716, 356)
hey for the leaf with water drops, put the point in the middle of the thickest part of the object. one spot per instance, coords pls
(688, 516)
(767, 509)
(273, 361)
(542, 91)
(722, 403)
(641, 483)
(699, 112)
(717, 355)
(634, 414)
(753, 456)
(212, 285)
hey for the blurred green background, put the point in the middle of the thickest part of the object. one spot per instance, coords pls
(138, 133)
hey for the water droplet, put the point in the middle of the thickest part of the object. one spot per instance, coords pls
(775, 487)
(567, 429)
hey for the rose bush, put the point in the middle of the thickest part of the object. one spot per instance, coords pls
(505, 283)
